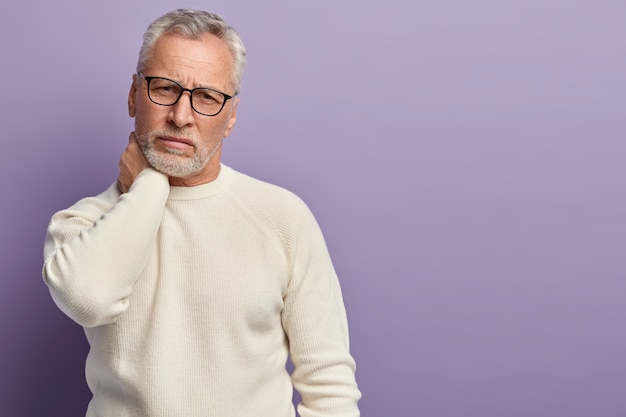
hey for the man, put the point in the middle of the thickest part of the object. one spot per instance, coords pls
(195, 282)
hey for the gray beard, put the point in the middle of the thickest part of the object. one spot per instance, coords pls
(169, 162)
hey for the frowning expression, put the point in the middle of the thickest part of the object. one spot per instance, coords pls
(176, 140)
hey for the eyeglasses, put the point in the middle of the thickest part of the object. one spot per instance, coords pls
(166, 92)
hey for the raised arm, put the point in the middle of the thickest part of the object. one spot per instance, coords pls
(95, 250)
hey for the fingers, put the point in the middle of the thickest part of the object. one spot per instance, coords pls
(132, 162)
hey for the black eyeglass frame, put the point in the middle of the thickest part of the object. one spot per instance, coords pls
(182, 90)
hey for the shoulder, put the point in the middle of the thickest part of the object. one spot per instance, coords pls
(273, 207)
(265, 196)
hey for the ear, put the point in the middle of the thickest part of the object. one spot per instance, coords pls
(132, 94)
(232, 117)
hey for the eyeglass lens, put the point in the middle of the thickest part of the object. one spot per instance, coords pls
(167, 92)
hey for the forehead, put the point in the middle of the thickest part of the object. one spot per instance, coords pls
(193, 62)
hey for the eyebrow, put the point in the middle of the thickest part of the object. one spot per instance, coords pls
(192, 88)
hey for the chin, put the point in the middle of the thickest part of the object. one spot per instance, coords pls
(173, 166)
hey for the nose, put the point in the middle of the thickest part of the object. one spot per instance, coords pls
(181, 113)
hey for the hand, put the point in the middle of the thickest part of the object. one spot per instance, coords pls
(132, 162)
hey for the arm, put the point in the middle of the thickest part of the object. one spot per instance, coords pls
(96, 249)
(315, 321)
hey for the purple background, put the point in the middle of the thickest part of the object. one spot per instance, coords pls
(464, 158)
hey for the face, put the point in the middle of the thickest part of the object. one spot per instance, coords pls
(176, 140)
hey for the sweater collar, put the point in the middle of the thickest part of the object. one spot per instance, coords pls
(203, 190)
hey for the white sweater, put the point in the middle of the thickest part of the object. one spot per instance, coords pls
(192, 298)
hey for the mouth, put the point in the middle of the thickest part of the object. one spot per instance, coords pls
(176, 142)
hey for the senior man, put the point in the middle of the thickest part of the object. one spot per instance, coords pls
(193, 281)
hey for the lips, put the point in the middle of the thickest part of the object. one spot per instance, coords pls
(176, 142)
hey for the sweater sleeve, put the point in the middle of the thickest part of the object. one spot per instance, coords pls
(95, 250)
(315, 321)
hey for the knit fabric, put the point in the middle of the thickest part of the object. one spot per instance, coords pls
(192, 299)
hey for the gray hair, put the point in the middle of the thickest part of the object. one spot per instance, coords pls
(193, 24)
